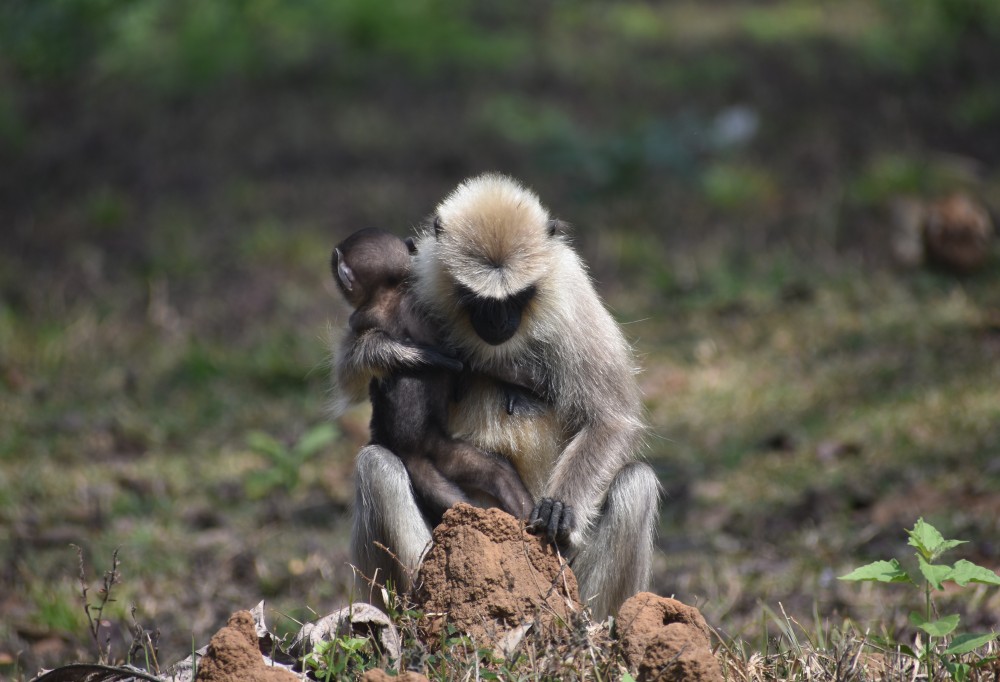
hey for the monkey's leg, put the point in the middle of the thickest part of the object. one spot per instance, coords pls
(385, 512)
(435, 493)
(471, 468)
(615, 562)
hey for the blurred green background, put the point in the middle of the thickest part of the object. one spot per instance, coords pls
(174, 173)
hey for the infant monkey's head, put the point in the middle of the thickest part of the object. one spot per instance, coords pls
(369, 260)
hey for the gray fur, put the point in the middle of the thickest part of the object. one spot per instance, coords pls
(386, 513)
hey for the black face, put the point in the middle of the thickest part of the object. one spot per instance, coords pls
(495, 320)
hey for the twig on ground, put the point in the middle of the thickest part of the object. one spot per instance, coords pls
(95, 612)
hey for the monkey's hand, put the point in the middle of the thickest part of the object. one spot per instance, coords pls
(436, 358)
(521, 400)
(553, 519)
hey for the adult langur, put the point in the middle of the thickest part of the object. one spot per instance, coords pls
(507, 289)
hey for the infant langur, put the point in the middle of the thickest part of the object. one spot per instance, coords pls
(414, 381)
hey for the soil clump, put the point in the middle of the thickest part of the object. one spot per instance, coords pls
(233, 655)
(487, 576)
(663, 639)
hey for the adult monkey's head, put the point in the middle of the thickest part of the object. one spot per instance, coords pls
(489, 262)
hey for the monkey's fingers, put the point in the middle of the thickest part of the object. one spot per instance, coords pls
(552, 531)
(567, 524)
(540, 514)
(520, 400)
(554, 519)
(441, 360)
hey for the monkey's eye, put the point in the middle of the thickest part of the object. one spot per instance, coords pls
(521, 298)
(465, 295)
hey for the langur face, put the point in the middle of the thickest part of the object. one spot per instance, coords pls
(494, 243)
(495, 320)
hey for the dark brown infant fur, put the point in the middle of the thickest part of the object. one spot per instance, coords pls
(410, 403)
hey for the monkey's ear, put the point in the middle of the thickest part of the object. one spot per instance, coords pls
(411, 245)
(438, 227)
(557, 227)
(344, 272)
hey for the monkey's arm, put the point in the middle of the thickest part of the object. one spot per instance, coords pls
(581, 478)
(599, 404)
(379, 353)
(373, 354)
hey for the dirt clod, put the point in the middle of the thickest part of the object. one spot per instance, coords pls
(958, 234)
(664, 639)
(486, 576)
(233, 655)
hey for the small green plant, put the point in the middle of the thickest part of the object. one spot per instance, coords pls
(336, 659)
(285, 463)
(930, 545)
